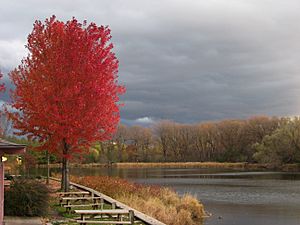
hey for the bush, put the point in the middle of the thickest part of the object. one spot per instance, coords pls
(26, 198)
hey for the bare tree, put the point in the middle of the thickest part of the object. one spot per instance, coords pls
(120, 138)
(5, 124)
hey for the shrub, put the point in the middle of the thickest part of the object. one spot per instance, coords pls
(191, 204)
(26, 198)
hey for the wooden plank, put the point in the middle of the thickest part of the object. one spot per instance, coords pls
(74, 193)
(100, 212)
(73, 206)
(102, 222)
(81, 198)
(145, 218)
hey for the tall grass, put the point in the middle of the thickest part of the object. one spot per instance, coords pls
(161, 203)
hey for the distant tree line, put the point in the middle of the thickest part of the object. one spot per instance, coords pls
(261, 139)
(258, 139)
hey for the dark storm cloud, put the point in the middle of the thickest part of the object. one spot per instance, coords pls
(185, 60)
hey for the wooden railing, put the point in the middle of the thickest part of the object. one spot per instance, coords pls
(141, 216)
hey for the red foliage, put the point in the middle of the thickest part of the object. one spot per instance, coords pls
(66, 89)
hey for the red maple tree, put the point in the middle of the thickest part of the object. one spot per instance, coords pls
(66, 89)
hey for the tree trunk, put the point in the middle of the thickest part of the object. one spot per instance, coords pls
(65, 181)
(120, 151)
(48, 169)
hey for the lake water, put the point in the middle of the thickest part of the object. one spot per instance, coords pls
(233, 197)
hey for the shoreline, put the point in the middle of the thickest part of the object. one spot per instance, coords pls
(203, 165)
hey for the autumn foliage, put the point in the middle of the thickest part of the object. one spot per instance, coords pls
(66, 93)
(66, 89)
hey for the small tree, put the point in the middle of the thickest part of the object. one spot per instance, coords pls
(66, 89)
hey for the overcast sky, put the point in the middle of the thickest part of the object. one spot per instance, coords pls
(188, 60)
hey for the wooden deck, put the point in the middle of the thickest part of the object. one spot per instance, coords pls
(141, 216)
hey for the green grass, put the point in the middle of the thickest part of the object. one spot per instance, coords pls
(62, 210)
(68, 217)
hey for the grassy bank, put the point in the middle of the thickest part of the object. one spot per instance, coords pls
(161, 203)
(182, 165)
(206, 165)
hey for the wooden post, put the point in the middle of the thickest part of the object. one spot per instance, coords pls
(113, 205)
(131, 216)
(82, 218)
(101, 203)
(1, 190)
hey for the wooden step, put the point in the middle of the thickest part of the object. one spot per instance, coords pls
(102, 222)
(104, 211)
(80, 198)
(93, 204)
(74, 193)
